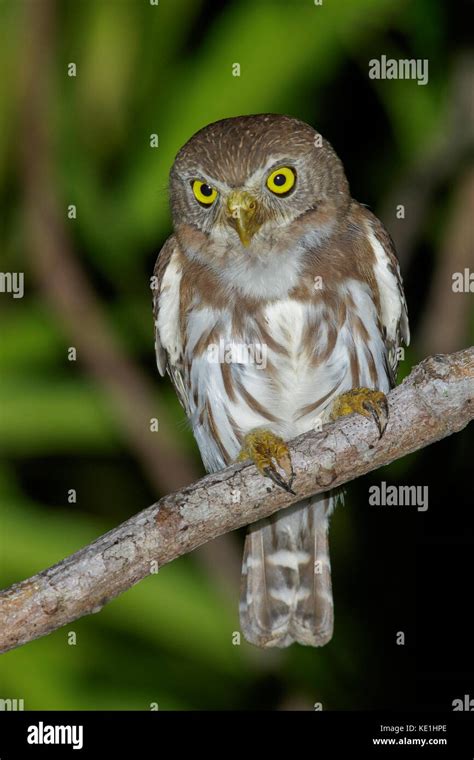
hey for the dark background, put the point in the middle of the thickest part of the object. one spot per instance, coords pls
(84, 424)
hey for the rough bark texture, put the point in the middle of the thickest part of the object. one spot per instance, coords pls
(433, 402)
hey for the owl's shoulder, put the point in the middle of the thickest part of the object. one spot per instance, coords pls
(385, 277)
(361, 255)
(166, 283)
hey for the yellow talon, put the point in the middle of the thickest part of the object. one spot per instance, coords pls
(271, 455)
(365, 401)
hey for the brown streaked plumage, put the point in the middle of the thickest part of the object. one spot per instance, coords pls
(297, 269)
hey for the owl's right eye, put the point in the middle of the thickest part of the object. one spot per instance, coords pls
(204, 194)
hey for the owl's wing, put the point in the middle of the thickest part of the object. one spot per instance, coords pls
(166, 286)
(393, 308)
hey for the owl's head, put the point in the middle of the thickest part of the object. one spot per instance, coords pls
(247, 183)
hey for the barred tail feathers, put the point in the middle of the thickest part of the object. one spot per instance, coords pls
(286, 593)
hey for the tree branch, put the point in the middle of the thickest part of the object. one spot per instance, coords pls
(433, 402)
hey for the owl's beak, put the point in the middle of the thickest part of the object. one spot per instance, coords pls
(241, 213)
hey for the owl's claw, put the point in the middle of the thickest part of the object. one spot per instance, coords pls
(365, 401)
(271, 455)
(274, 475)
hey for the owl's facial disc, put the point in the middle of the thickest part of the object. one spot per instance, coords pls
(241, 213)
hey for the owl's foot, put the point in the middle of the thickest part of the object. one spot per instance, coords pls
(365, 401)
(271, 455)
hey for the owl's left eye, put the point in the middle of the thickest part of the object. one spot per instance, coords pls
(282, 180)
(205, 194)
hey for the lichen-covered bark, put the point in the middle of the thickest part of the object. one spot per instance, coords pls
(435, 401)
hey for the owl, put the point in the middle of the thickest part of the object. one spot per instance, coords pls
(278, 305)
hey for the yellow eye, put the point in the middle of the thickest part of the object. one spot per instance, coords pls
(203, 193)
(281, 180)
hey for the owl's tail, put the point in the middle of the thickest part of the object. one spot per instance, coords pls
(286, 591)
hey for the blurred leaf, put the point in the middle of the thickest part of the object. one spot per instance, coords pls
(40, 416)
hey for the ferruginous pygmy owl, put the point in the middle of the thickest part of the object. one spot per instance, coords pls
(270, 251)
